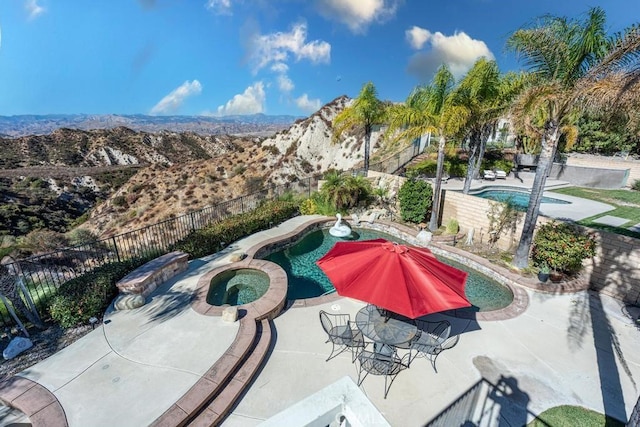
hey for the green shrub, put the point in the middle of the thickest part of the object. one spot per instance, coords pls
(452, 166)
(636, 185)
(456, 168)
(216, 236)
(452, 226)
(562, 246)
(119, 201)
(415, 200)
(308, 207)
(345, 191)
(89, 295)
(426, 167)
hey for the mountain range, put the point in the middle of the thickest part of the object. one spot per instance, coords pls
(254, 124)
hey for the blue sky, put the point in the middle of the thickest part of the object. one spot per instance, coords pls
(220, 57)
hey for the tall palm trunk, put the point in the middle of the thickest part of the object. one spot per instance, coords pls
(435, 207)
(549, 142)
(367, 143)
(474, 148)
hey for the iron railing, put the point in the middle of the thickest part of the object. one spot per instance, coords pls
(43, 274)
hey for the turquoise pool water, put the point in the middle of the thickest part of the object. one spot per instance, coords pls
(306, 280)
(519, 198)
(237, 287)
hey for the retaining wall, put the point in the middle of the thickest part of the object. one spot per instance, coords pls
(607, 163)
(593, 177)
(614, 271)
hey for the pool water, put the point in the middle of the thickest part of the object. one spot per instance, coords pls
(237, 287)
(306, 279)
(520, 199)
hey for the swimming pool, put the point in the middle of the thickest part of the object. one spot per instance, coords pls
(519, 198)
(306, 280)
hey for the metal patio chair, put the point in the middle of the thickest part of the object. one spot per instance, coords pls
(430, 340)
(341, 334)
(389, 366)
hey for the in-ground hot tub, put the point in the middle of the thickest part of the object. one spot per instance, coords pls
(237, 287)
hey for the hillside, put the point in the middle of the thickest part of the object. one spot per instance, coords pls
(170, 174)
(48, 181)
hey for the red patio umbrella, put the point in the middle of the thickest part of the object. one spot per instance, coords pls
(407, 280)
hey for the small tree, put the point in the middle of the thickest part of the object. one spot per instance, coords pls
(415, 200)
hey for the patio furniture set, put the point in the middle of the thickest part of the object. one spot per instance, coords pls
(385, 343)
(492, 175)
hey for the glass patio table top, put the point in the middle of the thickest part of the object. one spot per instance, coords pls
(393, 330)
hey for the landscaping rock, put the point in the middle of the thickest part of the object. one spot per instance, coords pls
(237, 256)
(16, 346)
(128, 302)
(230, 314)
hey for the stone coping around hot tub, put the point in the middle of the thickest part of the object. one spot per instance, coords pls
(34, 400)
(268, 306)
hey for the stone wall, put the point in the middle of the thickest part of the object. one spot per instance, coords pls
(615, 270)
(473, 212)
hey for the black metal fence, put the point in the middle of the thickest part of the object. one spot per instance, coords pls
(43, 274)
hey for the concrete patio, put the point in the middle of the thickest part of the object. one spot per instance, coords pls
(577, 348)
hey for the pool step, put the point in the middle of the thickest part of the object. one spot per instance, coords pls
(213, 395)
(218, 408)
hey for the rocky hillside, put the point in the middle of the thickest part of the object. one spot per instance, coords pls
(49, 181)
(118, 146)
(306, 148)
(176, 173)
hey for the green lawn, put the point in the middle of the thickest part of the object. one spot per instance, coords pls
(626, 203)
(570, 416)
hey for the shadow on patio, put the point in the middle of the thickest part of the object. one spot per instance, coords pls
(487, 404)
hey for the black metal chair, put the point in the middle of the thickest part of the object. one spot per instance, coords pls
(376, 363)
(430, 339)
(341, 335)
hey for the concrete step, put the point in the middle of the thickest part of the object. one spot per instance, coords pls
(213, 381)
(218, 408)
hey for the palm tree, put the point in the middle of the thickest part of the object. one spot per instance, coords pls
(573, 63)
(478, 102)
(424, 111)
(366, 112)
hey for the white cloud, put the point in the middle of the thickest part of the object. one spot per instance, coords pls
(458, 51)
(285, 84)
(277, 47)
(251, 101)
(33, 8)
(308, 105)
(175, 99)
(417, 37)
(358, 14)
(280, 67)
(219, 7)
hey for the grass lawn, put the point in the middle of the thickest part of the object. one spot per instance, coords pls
(570, 416)
(626, 203)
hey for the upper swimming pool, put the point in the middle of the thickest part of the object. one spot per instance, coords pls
(519, 198)
(306, 280)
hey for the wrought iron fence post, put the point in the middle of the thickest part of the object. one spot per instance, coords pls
(193, 222)
(242, 204)
(115, 246)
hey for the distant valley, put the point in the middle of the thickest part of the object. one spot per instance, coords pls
(118, 179)
(255, 124)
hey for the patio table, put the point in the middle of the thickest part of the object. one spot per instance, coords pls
(387, 330)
